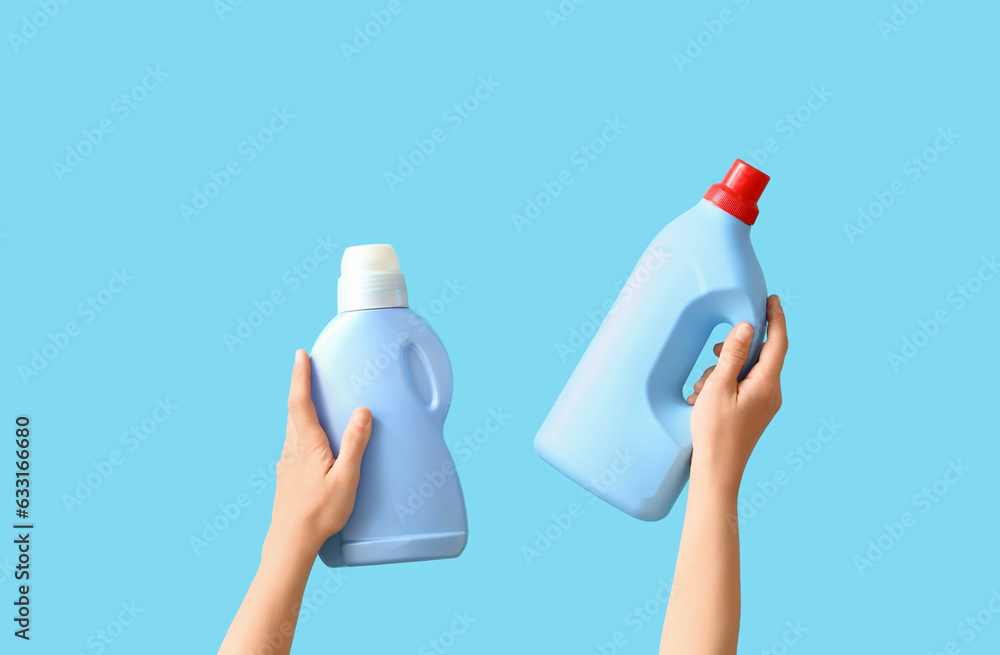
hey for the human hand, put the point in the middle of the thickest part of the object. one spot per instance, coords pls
(729, 417)
(315, 493)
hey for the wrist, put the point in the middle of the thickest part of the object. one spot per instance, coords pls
(287, 547)
(722, 485)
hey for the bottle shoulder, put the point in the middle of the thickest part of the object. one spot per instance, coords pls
(396, 324)
(715, 246)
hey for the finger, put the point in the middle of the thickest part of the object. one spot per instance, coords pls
(717, 349)
(704, 377)
(772, 355)
(693, 397)
(735, 350)
(355, 440)
(300, 406)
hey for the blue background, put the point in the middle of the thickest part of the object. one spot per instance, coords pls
(850, 302)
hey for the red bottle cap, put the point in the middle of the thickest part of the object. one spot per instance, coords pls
(739, 191)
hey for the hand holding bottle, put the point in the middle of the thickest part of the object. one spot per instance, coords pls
(379, 353)
(625, 395)
(314, 498)
(729, 416)
(703, 614)
(315, 493)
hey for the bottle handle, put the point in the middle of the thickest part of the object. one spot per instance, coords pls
(431, 386)
(759, 324)
(681, 351)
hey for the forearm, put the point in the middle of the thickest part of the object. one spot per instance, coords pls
(271, 607)
(703, 614)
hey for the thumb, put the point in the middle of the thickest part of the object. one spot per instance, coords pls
(354, 442)
(734, 354)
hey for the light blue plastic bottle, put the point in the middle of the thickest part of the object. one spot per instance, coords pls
(379, 354)
(621, 427)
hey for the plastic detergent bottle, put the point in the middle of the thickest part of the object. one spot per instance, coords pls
(621, 427)
(379, 354)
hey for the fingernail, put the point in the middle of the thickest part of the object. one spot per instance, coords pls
(743, 332)
(300, 356)
(360, 417)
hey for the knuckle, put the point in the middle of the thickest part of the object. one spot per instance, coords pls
(351, 441)
(294, 402)
(737, 354)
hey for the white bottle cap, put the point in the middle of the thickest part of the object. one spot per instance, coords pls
(370, 279)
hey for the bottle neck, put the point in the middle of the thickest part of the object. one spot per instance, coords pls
(371, 290)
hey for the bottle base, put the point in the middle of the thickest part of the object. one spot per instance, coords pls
(395, 550)
(619, 493)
